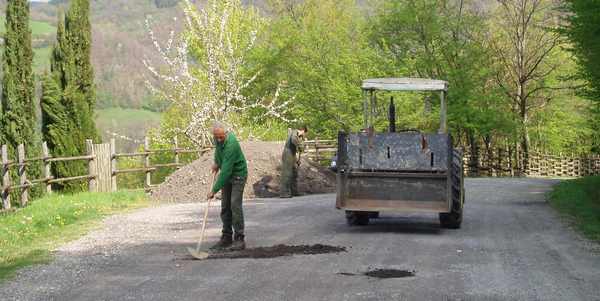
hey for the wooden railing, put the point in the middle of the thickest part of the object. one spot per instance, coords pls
(147, 167)
(498, 163)
(320, 151)
(102, 168)
(47, 179)
(502, 163)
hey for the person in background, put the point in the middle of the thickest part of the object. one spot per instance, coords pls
(290, 161)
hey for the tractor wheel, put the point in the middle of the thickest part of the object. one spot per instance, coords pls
(357, 218)
(453, 219)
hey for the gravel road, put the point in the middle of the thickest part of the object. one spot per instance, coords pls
(512, 246)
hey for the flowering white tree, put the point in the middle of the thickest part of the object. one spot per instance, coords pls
(204, 71)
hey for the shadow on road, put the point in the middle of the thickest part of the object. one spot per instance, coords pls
(395, 224)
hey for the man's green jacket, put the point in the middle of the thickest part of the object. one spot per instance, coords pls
(231, 161)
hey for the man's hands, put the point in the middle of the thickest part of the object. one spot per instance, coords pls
(215, 169)
(210, 195)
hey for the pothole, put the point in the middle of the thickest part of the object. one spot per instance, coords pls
(274, 251)
(383, 273)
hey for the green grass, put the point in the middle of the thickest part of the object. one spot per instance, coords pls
(579, 199)
(29, 235)
(125, 118)
(41, 59)
(37, 28)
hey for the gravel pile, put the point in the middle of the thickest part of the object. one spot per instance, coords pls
(190, 183)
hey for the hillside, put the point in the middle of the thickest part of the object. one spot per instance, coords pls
(120, 41)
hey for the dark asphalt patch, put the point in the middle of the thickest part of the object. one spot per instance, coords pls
(384, 273)
(274, 251)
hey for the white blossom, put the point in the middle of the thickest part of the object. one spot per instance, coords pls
(213, 88)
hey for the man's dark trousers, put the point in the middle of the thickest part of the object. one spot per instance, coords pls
(232, 214)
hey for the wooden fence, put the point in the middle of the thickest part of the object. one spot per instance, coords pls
(102, 171)
(320, 151)
(563, 165)
(498, 163)
(501, 162)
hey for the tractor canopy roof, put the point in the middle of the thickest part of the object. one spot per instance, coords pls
(404, 84)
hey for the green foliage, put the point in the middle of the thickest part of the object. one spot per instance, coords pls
(18, 122)
(579, 199)
(320, 51)
(79, 34)
(443, 40)
(58, 131)
(582, 31)
(69, 97)
(42, 33)
(29, 235)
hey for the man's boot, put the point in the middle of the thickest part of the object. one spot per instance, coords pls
(223, 243)
(238, 243)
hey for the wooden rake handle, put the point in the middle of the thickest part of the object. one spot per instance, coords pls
(205, 215)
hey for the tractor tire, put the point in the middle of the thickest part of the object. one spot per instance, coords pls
(453, 219)
(357, 218)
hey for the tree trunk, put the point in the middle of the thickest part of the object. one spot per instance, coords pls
(474, 158)
(524, 137)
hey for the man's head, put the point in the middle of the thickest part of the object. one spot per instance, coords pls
(302, 131)
(219, 132)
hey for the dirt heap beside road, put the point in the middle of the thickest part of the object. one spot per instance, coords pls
(190, 183)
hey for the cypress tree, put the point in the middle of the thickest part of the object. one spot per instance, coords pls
(18, 122)
(79, 35)
(68, 93)
(60, 131)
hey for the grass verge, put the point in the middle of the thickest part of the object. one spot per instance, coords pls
(579, 199)
(29, 235)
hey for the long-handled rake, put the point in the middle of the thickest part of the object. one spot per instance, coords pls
(196, 252)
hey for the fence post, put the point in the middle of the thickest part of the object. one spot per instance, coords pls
(5, 193)
(47, 174)
(317, 159)
(91, 166)
(176, 152)
(22, 174)
(113, 165)
(148, 181)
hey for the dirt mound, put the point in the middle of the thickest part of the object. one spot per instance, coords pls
(190, 183)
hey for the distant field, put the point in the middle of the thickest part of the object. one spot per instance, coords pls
(126, 122)
(126, 116)
(37, 28)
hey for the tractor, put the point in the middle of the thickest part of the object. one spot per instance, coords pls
(405, 170)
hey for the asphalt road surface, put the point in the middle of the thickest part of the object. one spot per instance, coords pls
(512, 246)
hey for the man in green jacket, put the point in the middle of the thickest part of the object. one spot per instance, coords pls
(230, 163)
(290, 160)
